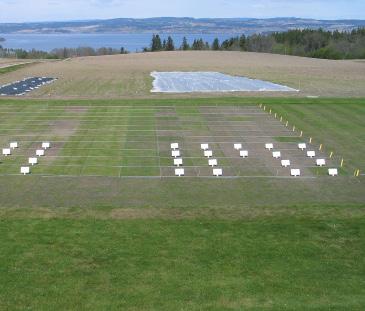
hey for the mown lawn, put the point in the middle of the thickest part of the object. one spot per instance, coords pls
(110, 243)
(266, 263)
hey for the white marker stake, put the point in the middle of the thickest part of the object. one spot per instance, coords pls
(175, 153)
(174, 146)
(46, 145)
(302, 146)
(208, 153)
(237, 146)
(320, 162)
(24, 170)
(204, 146)
(333, 172)
(178, 162)
(13, 145)
(269, 146)
(213, 162)
(276, 154)
(33, 161)
(295, 172)
(6, 152)
(285, 163)
(39, 153)
(179, 172)
(244, 153)
(217, 172)
(311, 154)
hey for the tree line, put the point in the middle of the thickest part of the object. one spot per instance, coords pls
(60, 53)
(307, 42)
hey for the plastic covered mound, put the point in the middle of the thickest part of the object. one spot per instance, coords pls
(189, 82)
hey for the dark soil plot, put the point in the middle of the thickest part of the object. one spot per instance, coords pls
(24, 86)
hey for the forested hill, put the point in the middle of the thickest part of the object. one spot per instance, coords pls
(181, 25)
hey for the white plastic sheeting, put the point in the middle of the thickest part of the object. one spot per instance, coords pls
(189, 82)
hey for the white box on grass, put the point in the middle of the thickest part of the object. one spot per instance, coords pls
(285, 163)
(13, 145)
(179, 172)
(276, 154)
(333, 172)
(175, 153)
(33, 161)
(269, 146)
(320, 162)
(217, 172)
(237, 146)
(39, 153)
(244, 153)
(204, 146)
(178, 162)
(6, 152)
(174, 146)
(25, 170)
(295, 172)
(302, 146)
(213, 162)
(46, 145)
(311, 154)
(208, 153)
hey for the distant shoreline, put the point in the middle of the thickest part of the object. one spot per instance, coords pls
(172, 25)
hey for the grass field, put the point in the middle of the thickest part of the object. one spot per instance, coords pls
(128, 76)
(98, 225)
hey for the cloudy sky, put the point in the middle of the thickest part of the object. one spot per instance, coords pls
(49, 10)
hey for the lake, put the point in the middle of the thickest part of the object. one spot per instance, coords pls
(132, 42)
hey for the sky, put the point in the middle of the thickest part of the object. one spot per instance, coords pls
(63, 10)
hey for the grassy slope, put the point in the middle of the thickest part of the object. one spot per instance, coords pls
(339, 127)
(14, 68)
(277, 264)
(244, 248)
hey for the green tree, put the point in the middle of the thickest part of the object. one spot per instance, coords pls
(156, 43)
(185, 45)
(170, 46)
(216, 46)
(242, 43)
(198, 45)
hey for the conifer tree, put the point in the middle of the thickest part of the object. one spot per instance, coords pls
(185, 45)
(170, 44)
(216, 45)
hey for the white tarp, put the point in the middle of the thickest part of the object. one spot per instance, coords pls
(188, 82)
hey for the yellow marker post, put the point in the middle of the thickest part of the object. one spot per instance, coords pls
(331, 154)
(275, 115)
(358, 173)
(320, 147)
(264, 108)
(270, 111)
(287, 123)
(342, 161)
(281, 119)
(294, 128)
(310, 140)
(301, 133)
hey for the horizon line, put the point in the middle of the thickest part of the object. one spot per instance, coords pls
(180, 17)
